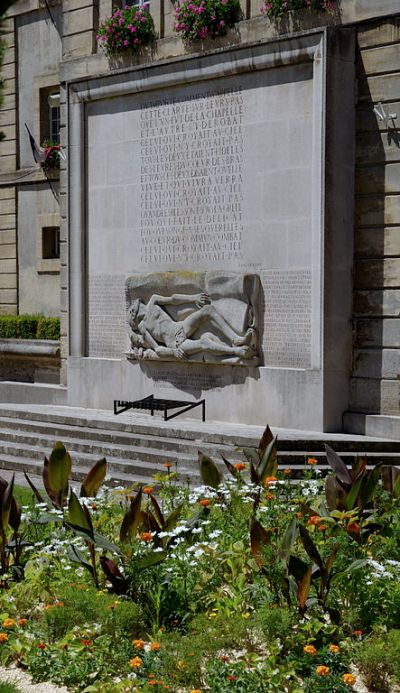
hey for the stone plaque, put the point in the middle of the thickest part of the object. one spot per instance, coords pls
(206, 317)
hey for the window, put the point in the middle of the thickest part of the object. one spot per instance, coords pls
(50, 242)
(50, 114)
(130, 3)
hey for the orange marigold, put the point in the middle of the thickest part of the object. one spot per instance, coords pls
(322, 528)
(22, 621)
(146, 536)
(204, 502)
(334, 648)
(314, 520)
(239, 466)
(155, 646)
(148, 489)
(353, 527)
(3, 637)
(309, 649)
(322, 670)
(136, 662)
(270, 496)
(138, 644)
(168, 465)
(349, 679)
(299, 515)
(312, 461)
(270, 480)
(287, 471)
(8, 623)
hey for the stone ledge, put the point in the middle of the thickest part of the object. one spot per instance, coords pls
(30, 348)
(375, 425)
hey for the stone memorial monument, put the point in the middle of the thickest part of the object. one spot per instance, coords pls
(204, 259)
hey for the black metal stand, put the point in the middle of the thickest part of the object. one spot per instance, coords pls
(153, 404)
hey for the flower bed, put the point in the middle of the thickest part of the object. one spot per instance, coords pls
(126, 31)
(278, 8)
(201, 19)
(249, 582)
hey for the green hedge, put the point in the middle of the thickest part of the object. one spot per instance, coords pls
(29, 327)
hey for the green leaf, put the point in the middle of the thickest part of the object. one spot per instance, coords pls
(251, 455)
(269, 463)
(77, 515)
(310, 547)
(289, 538)
(151, 559)
(355, 565)
(6, 502)
(396, 487)
(106, 544)
(131, 518)
(209, 472)
(259, 537)
(351, 498)
(77, 557)
(304, 590)
(370, 484)
(59, 469)
(158, 513)
(94, 478)
(338, 466)
(173, 518)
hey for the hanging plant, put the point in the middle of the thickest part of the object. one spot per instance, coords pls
(52, 152)
(201, 19)
(278, 8)
(126, 30)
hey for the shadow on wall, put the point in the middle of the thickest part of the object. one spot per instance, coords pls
(377, 139)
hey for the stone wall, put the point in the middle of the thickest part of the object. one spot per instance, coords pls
(376, 368)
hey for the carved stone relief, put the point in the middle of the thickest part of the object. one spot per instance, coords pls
(207, 317)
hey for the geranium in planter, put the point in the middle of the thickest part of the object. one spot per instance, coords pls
(52, 154)
(201, 19)
(126, 30)
(278, 8)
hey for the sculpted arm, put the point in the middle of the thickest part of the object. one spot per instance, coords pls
(176, 299)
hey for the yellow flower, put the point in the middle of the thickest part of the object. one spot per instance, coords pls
(349, 679)
(181, 665)
(136, 662)
(138, 644)
(309, 649)
(334, 649)
(3, 637)
(246, 615)
(155, 646)
(195, 690)
(8, 623)
(322, 670)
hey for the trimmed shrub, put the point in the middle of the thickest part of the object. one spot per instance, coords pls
(48, 328)
(29, 327)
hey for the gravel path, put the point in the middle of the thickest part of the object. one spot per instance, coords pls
(23, 681)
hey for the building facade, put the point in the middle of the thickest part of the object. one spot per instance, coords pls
(314, 210)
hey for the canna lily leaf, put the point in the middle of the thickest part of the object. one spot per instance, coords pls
(77, 557)
(6, 502)
(231, 468)
(158, 513)
(59, 469)
(370, 484)
(251, 455)
(15, 511)
(255, 479)
(396, 487)
(269, 462)
(338, 466)
(331, 559)
(114, 575)
(310, 547)
(259, 537)
(209, 472)
(173, 518)
(39, 497)
(304, 590)
(266, 438)
(77, 515)
(151, 559)
(352, 496)
(358, 467)
(131, 518)
(297, 568)
(289, 538)
(94, 478)
(55, 498)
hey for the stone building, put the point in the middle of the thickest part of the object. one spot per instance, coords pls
(297, 184)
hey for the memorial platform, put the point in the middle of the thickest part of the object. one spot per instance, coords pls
(137, 445)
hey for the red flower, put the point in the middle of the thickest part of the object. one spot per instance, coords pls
(42, 646)
(231, 678)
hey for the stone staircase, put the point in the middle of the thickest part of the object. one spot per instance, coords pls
(137, 446)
